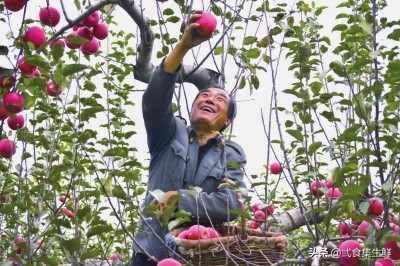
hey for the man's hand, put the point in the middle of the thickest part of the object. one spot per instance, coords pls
(170, 200)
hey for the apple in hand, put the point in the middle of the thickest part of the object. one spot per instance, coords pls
(7, 82)
(169, 262)
(348, 251)
(7, 148)
(16, 123)
(375, 206)
(100, 31)
(13, 102)
(207, 24)
(35, 35)
(91, 47)
(14, 5)
(49, 16)
(275, 168)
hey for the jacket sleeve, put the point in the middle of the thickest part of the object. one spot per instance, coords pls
(157, 109)
(216, 207)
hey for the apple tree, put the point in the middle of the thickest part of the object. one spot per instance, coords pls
(73, 162)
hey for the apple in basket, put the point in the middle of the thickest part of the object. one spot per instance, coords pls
(169, 262)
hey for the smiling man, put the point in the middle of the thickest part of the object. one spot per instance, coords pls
(183, 157)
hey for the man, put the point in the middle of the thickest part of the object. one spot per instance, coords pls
(183, 157)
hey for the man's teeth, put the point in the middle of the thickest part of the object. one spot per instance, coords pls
(207, 109)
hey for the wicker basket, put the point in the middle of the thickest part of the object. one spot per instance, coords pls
(235, 246)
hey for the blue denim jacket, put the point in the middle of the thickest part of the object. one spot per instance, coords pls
(173, 148)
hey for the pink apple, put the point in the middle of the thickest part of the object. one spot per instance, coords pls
(375, 206)
(52, 89)
(255, 206)
(270, 209)
(198, 232)
(329, 182)
(59, 41)
(315, 186)
(3, 113)
(100, 31)
(275, 168)
(385, 262)
(14, 5)
(395, 228)
(169, 262)
(36, 35)
(115, 256)
(85, 32)
(7, 148)
(254, 224)
(364, 227)
(25, 67)
(334, 193)
(7, 82)
(35, 73)
(212, 232)
(13, 102)
(91, 47)
(350, 253)
(61, 198)
(16, 123)
(49, 16)
(343, 228)
(259, 215)
(394, 249)
(69, 42)
(68, 213)
(208, 24)
(91, 20)
(184, 234)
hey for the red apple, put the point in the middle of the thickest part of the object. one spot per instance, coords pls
(35, 73)
(343, 228)
(375, 206)
(14, 5)
(100, 31)
(333, 193)
(259, 215)
(91, 47)
(16, 123)
(270, 209)
(61, 198)
(254, 224)
(394, 249)
(25, 67)
(59, 41)
(7, 82)
(36, 35)
(49, 16)
(7, 148)
(350, 253)
(384, 262)
(115, 256)
(3, 113)
(207, 24)
(91, 20)
(13, 102)
(212, 233)
(255, 206)
(68, 213)
(85, 32)
(69, 43)
(52, 89)
(365, 226)
(198, 232)
(275, 168)
(184, 234)
(315, 186)
(169, 262)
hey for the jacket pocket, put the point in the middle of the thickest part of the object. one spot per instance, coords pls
(176, 163)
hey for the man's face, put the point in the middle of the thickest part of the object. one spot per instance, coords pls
(210, 110)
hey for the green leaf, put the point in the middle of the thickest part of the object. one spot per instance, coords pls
(168, 12)
(119, 192)
(173, 19)
(249, 40)
(3, 50)
(90, 112)
(6, 71)
(72, 69)
(117, 151)
(297, 134)
(340, 27)
(313, 147)
(37, 60)
(364, 206)
(71, 245)
(57, 51)
(253, 53)
(218, 50)
(98, 230)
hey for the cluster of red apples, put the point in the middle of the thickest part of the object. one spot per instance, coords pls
(197, 231)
